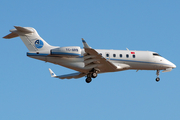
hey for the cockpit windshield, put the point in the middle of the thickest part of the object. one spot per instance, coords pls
(156, 54)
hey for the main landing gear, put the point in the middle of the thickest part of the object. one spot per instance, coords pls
(91, 75)
(88, 79)
(157, 73)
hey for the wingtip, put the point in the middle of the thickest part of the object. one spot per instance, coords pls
(83, 40)
(52, 73)
(16, 26)
(85, 44)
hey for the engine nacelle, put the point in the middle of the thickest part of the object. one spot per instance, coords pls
(72, 51)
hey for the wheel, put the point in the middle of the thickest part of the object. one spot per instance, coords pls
(94, 75)
(88, 79)
(157, 79)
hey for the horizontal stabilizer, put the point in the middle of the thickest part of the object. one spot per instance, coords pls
(23, 29)
(14, 32)
(11, 35)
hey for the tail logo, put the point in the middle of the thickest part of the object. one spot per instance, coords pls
(39, 44)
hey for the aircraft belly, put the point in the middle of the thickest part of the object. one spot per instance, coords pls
(75, 63)
(146, 66)
(142, 65)
(78, 64)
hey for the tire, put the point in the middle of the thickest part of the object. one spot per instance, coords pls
(94, 75)
(157, 79)
(88, 79)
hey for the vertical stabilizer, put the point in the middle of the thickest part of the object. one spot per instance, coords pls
(31, 39)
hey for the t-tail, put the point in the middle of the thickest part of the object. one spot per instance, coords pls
(31, 39)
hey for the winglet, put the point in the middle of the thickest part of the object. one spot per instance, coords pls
(52, 73)
(85, 44)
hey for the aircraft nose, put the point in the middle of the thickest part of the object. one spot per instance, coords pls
(173, 66)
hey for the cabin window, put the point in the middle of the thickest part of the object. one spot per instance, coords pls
(107, 55)
(134, 56)
(127, 55)
(120, 55)
(114, 55)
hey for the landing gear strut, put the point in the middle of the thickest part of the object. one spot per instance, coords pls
(157, 73)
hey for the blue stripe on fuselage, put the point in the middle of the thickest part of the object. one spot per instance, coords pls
(43, 54)
(37, 54)
(137, 61)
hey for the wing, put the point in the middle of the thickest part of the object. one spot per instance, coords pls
(68, 76)
(92, 59)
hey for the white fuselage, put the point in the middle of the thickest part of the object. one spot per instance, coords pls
(88, 61)
(138, 60)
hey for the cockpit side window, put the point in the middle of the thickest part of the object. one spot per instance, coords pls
(156, 54)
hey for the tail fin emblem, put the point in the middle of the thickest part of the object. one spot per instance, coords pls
(39, 44)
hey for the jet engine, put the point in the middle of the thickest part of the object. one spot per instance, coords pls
(72, 51)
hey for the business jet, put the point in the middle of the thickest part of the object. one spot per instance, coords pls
(89, 62)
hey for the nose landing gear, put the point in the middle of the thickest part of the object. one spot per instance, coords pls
(157, 73)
